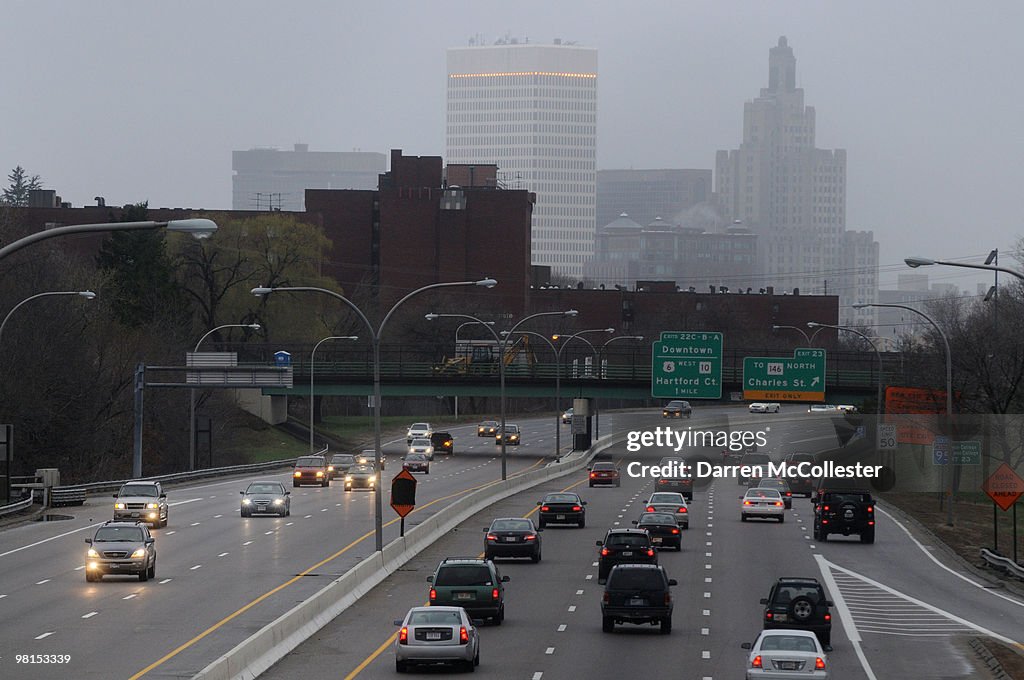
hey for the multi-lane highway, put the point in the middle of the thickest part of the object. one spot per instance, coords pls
(220, 578)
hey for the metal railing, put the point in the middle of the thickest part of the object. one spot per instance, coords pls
(1001, 563)
(17, 506)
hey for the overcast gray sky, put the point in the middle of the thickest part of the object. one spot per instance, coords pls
(136, 100)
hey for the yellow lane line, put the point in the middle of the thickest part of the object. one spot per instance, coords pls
(177, 650)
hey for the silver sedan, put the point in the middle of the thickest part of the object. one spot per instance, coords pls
(436, 635)
(672, 502)
(786, 655)
(266, 498)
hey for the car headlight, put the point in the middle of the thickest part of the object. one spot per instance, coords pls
(139, 554)
(118, 506)
(298, 474)
(92, 553)
(319, 473)
(152, 506)
(330, 468)
(348, 478)
(246, 501)
(278, 501)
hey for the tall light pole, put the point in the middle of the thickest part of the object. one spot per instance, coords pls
(600, 375)
(457, 329)
(801, 331)
(312, 365)
(198, 227)
(878, 354)
(87, 294)
(502, 345)
(558, 381)
(192, 392)
(375, 334)
(916, 262)
(949, 389)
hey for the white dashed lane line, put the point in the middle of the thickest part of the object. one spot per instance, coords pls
(89, 615)
(166, 580)
(561, 628)
(45, 635)
(45, 580)
(195, 567)
(247, 543)
(130, 597)
(223, 554)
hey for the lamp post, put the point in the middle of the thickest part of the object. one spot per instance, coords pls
(558, 381)
(949, 387)
(915, 262)
(503, 344)
(192, 392)
(801, 331)
(198, 227)
(600, 375)
(375, 334)
(312, 365)
(457, 329)
(87, 294)
(878, 354)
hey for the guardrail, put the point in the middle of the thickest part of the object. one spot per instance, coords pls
(1004, 564)
(17, 505)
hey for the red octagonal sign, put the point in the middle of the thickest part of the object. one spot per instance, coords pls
(1004, 486)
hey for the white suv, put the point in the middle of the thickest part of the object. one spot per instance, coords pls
(418, 431)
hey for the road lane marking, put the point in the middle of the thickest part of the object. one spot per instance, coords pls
(538, 675)
(195, 524)
(177, 503)
(247, 543)
(80, 568)
(89, 615)
(549, 650)
(705, 631)
(195, 567)
(572, 607)
(166, 580)
(45, 540)
(172, 531)
(705, 612)
(130, 597)
(578, 592)
(223, 554)
(45, 580)
(561, 628)
(705, 654)
(45, 635)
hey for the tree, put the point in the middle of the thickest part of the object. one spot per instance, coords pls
(16, 192)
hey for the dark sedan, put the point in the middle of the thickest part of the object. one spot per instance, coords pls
(662, 528)
(780, 485)
(562, 508)
(512, 537)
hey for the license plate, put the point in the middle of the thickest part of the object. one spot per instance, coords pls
(510, 539)
(433, 636)
(628, 553)
(656, 539)
(135, 514)
(637, 602)
(559, 516)
(782, 618)
(788, 665)
(463, 596)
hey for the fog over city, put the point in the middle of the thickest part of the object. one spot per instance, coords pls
(137, 101)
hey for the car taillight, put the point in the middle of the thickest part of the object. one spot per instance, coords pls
(828, 617)
(682, 510)
(824, 521)
(789, 493)
(492, 537)
(494, 594)
(650, 552)
(605, 552)
(577, 508)
(778, 502)
(871, 508)
(433, 594)
(606, 598)
(464, 636)
(756, 663)
(747, 503)
(768, 616)
(825, 508)
(675, 531)
(403, 636)
(819, 664)
(650, 508)
(871, 523)
(544, 508)
(668, 598)
(531, 537)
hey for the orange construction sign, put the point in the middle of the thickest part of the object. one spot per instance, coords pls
(403, 493)
(1004, 487)
(914, 411)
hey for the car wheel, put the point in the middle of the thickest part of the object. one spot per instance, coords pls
(476, 658)
(618, 484)
(470, 667)
(144, 575)
(824, 536)
(666, 626)
(867, 537)
(540, 524)
(325, 483)
(743, 518)
(488, 556)
(246, 513)
(295, 485)
(801, 609)
(607, 624)
(428, 471)
(591, 485)
(151, 573)
(536, 557)
(583, 523)
(782, 518)
(501, 616)
(89, 578)
(400, 666)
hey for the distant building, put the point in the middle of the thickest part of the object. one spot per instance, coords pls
(627, 252)
(270, 179)
(647, 194)
(857, 279)
(531, 110)
(790, 193)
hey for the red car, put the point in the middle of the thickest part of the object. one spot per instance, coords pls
(604, 473)
(311, 470)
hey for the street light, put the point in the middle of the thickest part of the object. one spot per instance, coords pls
(812, 324)
(375, 334)
(600, 375)
(192, 393)
(312, 365)
(558, 381)
(949, 385)
(87, 294)
(502, 345)
(198, 227)
(801, 331)
(916, 262)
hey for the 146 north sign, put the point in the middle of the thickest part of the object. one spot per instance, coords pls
(801, 378)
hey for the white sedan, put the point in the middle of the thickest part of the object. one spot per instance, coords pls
(762, 503)
(761, 407)
(786, 655)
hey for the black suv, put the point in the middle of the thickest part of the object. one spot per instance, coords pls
(637, 593)
(475, 585)
(844, 511)
(800, 604)
(624, 546)
(443, 442)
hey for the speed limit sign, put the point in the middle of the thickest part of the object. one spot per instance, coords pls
(887, 438)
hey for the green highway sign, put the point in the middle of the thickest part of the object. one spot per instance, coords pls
(687, 365)
(801, 378)
(967, 453)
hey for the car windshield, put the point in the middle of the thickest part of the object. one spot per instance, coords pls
(774, 484)
(636, 579)
(420, 426)
(675, 403)
(512, 429)
(488, 423)
(309, 461)
(763, 493)
(416, 456)
(511, 525)
(343, 459)
(561, 498)
(361, 470)
(755, 459)
(628, 540)
(421, 442)
(435, 618)
(788, 643)
(787, 593)
(840, 498)
(463, 575)
(801, 458)
(667, 498)
(126, 534)
(657, 518)
(139, 490)
(603, 466)
(267, 487)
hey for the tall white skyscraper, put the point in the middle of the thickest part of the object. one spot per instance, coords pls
(532, 110)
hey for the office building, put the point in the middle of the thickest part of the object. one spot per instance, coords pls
(271, 179)
(646, 194)
(531, 110)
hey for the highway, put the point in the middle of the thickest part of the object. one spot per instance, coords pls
(898, 614)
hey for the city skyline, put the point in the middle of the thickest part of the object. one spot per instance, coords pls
(923, 100)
